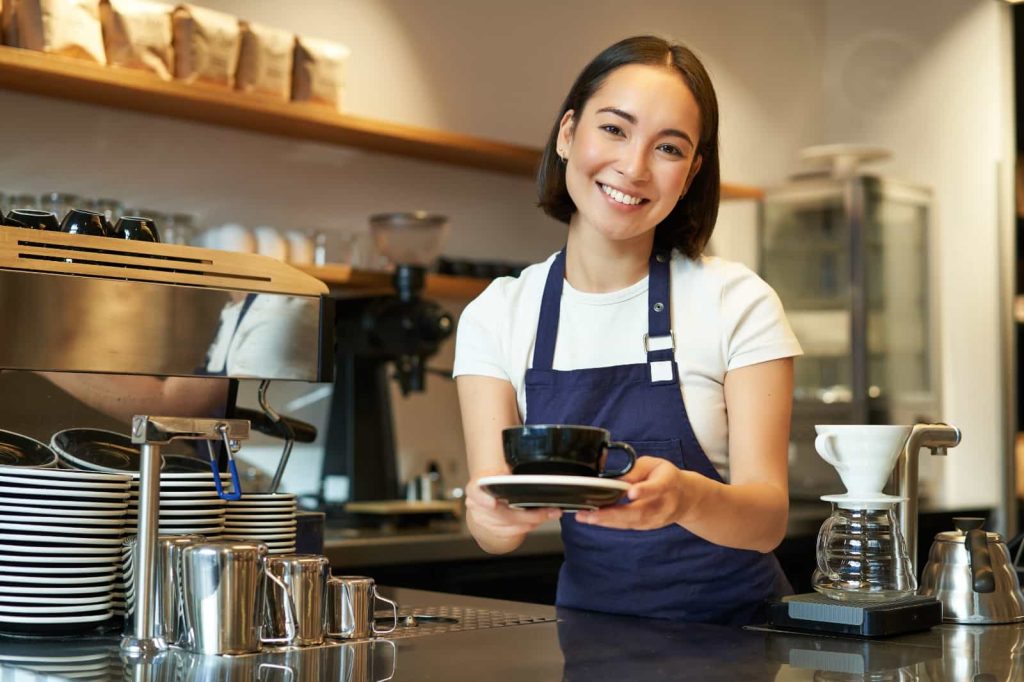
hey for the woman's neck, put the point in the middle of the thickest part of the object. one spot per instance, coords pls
(597, 265)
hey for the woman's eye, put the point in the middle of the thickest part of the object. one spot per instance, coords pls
(612, 129)
(671, 149)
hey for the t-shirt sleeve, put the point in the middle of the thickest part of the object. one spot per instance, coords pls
(479, 340)
(755, 325)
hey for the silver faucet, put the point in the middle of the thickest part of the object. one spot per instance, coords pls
(937, 438)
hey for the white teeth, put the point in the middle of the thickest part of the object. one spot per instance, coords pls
(619, 196)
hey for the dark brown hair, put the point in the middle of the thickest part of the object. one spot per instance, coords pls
(688, 227)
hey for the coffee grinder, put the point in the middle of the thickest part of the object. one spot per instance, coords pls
(847, 600)
(380, 339)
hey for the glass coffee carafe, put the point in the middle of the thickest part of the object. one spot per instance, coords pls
(861, 551)
(862, 555)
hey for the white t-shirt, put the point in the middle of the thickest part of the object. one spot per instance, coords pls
(723, 315)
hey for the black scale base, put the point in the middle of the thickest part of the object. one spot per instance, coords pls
(814, 612)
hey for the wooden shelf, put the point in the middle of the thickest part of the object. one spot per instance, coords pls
(78, 80)
(346, 281)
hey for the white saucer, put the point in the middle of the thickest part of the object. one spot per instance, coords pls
(571, 493)
(877, 501)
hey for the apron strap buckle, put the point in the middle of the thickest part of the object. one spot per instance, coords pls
(656, 343)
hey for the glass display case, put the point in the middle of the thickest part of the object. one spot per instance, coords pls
(849, 259)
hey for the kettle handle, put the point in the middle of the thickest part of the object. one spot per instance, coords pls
(983, 579)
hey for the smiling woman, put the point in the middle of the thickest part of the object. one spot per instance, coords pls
(630, 328)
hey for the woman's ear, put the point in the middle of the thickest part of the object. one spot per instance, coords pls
(565, 131)
(694, 169)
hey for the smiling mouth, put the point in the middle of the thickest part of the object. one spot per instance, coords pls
(621, 197)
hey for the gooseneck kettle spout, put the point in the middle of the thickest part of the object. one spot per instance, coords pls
(936, 437)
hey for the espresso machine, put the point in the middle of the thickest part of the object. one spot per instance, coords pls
(90, 304)
(381, 339)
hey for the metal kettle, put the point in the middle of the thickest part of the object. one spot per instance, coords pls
(970, 571)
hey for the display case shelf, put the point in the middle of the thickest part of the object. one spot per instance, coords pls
(131, 90)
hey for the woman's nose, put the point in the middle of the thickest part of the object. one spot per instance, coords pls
(635, 164)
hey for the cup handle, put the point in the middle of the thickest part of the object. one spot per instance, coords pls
(286, 671)
(819, 552)
(823, 444)
(346, 604)
(629, 465)
(289, 616)
(394, 607)
(394, 660)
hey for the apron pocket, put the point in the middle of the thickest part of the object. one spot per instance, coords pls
(671, 449)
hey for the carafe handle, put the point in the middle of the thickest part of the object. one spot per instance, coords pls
(982, 578)
(823, 444)
(820, 550)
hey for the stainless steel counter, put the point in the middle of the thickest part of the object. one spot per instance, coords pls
(579, 646)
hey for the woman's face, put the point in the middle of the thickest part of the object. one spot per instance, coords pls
(631, 151)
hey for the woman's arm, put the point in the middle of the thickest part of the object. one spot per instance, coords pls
(122, 396)
(751, 511)
(488, 405)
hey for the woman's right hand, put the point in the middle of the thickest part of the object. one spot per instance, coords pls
(497, 527)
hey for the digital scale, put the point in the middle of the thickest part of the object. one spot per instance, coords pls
(816, 613)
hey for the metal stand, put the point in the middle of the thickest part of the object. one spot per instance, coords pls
(937, 437)
(150, 433)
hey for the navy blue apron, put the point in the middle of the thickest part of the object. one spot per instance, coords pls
(665, 573)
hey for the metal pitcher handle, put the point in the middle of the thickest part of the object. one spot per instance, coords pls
(394, 660)
(289, 617)
(394, 607)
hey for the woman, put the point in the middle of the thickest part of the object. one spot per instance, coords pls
(616, 331)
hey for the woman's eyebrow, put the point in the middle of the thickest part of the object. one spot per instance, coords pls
(672, 132)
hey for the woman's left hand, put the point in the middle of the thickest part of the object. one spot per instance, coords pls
(658, 498)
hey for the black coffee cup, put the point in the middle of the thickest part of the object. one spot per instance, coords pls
(137, 228)
(32, 219)
(80, 221)
(562, 449)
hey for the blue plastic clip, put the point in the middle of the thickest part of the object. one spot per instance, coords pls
(232, 468)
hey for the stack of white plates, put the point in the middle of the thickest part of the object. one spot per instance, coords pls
(60, 541)
(267, 517)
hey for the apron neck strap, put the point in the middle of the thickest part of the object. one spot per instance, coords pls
(658, 342)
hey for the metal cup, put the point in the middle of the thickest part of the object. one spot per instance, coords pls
(351, 601)
(166, 601)
(223, 590)
(305, 576)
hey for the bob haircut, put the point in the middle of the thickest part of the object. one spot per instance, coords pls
(688, 227)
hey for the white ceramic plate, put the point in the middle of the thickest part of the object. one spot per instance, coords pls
(54, 590)
(65, 581)
(81, 515)
(74, 475)
(61, 540)
(49, 610)
(172, 495)
(12, 550)
(45, 620)
(77, 505)
(571, 493)
(89, 494)
(16, 601)
(261, 524)
(260, 536)
(74, 532)
(34, 570)
(51, 521)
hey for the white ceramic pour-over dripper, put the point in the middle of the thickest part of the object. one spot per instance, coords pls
(864, 455)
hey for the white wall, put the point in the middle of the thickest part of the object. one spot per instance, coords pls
(923, 77)
(927, 79)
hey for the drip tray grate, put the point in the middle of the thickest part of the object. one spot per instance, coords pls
(435, 620)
